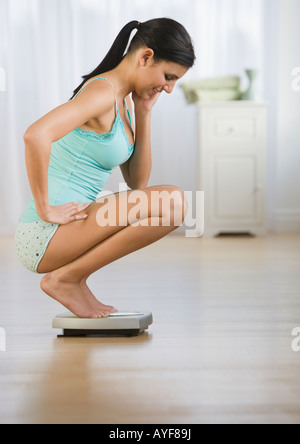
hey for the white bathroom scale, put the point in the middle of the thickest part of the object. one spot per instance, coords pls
(120, 324)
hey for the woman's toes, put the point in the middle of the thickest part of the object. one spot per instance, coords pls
(114, 310)
(102, 314)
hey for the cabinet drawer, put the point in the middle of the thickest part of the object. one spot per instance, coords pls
(234, 127)
(227, 127)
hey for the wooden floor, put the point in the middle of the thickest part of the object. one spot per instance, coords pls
(219, 351)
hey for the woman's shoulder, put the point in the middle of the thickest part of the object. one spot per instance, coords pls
(98, 88)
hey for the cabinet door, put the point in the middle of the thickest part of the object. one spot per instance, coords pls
(234, 196)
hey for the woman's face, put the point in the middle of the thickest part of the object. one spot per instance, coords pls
(155, 78)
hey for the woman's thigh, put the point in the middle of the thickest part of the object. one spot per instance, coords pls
(108, 216)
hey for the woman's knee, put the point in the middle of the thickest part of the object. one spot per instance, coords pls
(165, 201)
(180, 206)
(173, 203)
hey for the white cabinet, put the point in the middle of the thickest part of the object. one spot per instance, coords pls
(232, 166)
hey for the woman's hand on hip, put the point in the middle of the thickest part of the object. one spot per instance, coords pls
(64, 214)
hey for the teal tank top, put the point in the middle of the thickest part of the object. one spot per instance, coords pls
(81, 164)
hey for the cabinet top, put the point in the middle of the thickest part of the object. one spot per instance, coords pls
(233, 104)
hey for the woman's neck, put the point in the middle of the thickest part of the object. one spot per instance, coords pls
(122, 77)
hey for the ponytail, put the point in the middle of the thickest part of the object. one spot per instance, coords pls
(168, 39)
(114, 56)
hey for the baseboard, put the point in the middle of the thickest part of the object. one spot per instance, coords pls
(286, 221)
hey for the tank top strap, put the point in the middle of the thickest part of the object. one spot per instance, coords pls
(99, 78)
(129, 115)
(116, 103)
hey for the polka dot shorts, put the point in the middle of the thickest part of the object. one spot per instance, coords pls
(32, 240)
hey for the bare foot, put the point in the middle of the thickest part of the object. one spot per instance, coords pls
(94, 301)
(70, 295)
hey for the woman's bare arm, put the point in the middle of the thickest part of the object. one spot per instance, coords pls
(140, 164)
(95, 100)
(137, 170)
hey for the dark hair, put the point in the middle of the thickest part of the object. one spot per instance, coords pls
(168, 39)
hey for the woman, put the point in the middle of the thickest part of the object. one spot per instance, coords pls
(71, 152)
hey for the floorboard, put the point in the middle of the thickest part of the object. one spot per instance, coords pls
(219, 351)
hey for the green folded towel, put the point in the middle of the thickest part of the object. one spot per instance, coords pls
(221, 95)
(232, 82)
(212, 89)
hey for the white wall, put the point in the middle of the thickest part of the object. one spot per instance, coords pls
(287, 216)
(282, 54)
